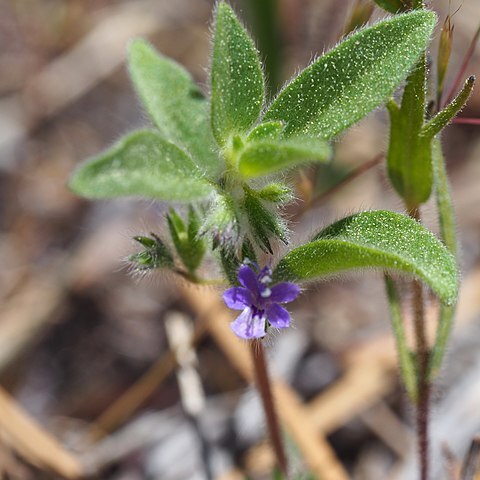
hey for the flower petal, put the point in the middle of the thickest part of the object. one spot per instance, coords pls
(277, 316)
(284, 292)
(247, 326)
(238, 298)
(248, 278)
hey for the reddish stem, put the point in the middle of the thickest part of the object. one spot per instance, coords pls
(424, 386)
(265, 389)
(466, 121)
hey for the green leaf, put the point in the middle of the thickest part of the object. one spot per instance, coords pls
(392, 6)
(265, 19)
(405, 358)
(189, 245)
(236, 76)
(175, 104)
(444, 117)
(351, 80)
(409, 157)
(141, 164)
(266, 157)
(265, 131)
(375, 239)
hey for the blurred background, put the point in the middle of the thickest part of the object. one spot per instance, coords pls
(106, 375)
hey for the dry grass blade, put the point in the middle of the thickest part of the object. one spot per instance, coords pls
(139, 392)
(32, 442)
(362, 386)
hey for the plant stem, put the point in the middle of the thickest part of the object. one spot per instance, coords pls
(265, 389)
(424, 386)
(423, 403)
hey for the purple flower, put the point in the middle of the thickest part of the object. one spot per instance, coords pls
(260, 301)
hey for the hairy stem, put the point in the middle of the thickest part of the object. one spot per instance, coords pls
(424, 386)
(265, 389)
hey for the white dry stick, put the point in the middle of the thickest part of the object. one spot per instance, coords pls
(180, 336)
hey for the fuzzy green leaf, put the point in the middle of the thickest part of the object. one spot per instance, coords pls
(237, 78)
(265, 131)
(175, 104)
(409, 157)
(375, 239)
(265, 157)
(141, 164)
(351, 80)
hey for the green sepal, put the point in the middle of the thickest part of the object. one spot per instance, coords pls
(405, 359)
(354, 78)
(277, 193)
(141, 164)
(267, 157)
(221, 221)
(175, 104)
(444, 117)
(237, 83)
(266, 131)
(264, 224)
(156, 254)
(381, 239)
(188, 244)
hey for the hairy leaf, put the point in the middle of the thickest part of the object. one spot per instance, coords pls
(265, 157)
(141, 164)
(375, 239)
(237, 78)
(265, 131)
(351, 80)
(409, 157)
(175, 104)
